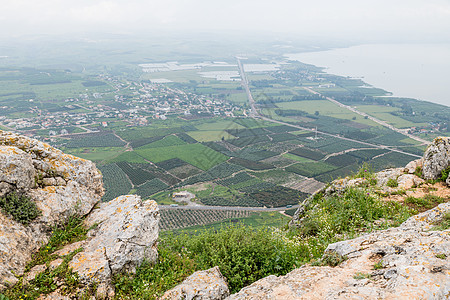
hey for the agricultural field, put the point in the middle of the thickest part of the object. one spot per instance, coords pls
(197, 155)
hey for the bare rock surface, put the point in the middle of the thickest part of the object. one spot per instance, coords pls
(16, 168)
(412, 166)
(415, 264)
(205, 285)
(436, 158)
(125, 234)
(60, 184)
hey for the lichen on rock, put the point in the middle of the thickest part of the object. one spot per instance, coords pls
(77, 188)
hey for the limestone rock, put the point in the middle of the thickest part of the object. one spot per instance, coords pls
(436, 158)
(61, 185)
(427, 219)
(407, 181)
(57, 203)
(16, 168)
(126, 233)
(48, 159)
(384, 176)
(411, 167)
(208, 284)
(415, 265)
(34, 271)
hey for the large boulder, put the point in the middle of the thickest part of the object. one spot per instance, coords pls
(59, 184)
(125, 234)
(411, 261)
(205, 285)
(17, 169)
(436, 158)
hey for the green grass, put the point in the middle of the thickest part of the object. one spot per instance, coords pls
(210, 135)
(310, 169)
(239, 253)
(384, 113)
(62, 277)
(238, 98)
(96, 153)
(197, 155)
(297, 158)
(170, 140)
(129, 156)
(219, 125)
(424, 203)
(326, 108)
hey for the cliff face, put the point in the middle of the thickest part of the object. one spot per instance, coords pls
(62, 186)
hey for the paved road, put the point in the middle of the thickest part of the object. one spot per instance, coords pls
(204, 207)
(244, 81)
(383, 123)
(256, 114)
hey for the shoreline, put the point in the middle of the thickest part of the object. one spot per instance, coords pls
(404, 77)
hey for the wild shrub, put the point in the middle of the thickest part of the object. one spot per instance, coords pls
(393, 183)
(20, 208)
(243, 254)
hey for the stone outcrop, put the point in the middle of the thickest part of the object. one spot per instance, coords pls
(408, 262)
(72, 187)
(125, 234)
(202, 285)
(436, 158)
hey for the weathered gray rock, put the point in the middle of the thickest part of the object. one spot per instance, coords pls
(16, 168)
(126, 233)
(202, 285)
(384, 176)
(412, 166)
(415, 265)
(61, 185)
(436, 158)
(407, 181)
(49, 160)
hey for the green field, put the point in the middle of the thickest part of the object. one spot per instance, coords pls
(384, 113)
(96, 154)
(327, 108)
(196, 154)
(167, 141)
(256, 219)
(218, 125)
(210, 135)
(296, 157)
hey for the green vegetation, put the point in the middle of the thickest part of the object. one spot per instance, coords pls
(350, 213)
(20, 208)
(393, 183)
(360, 275)
(441, 256)
(152, 280)
(61, 277)
(238, 252)
(184, 218)
(378, 265)
(426, 202)
(444, 224)
(196, 154)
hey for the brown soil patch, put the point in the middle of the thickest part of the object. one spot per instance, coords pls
(439, 189)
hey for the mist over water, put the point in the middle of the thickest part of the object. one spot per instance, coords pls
(420, 71)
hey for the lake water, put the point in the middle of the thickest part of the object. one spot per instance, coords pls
(420, 71)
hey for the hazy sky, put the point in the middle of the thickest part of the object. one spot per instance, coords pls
(399, 19)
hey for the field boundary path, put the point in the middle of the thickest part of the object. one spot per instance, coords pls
(381, 122)
(255, 114)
